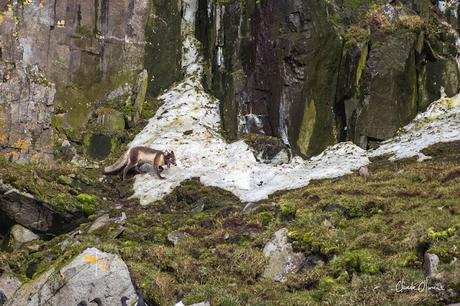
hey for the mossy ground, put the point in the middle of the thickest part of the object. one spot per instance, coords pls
(370, 233)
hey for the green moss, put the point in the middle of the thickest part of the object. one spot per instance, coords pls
(307, 127)
(360, 261)
(86, 199)
(361, 65)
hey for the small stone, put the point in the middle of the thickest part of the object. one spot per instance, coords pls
(327, 223)
(430, 264)
(177, 237)
(198, 208)
(99, 223)
(281, 257)
(122, 219)
(364, 171)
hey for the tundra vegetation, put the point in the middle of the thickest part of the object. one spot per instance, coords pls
(366, 233)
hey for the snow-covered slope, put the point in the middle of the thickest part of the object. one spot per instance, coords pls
(188, 123)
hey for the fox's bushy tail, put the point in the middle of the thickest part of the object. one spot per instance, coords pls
(120, 163)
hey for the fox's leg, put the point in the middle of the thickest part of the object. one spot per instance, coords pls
(158, 171)
(127, 168)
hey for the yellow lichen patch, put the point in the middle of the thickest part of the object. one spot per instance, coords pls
(306, 130)
(94, 260)
(90, 259)
(104, 266)
(21, 144)
(1, 19)
(3, 139)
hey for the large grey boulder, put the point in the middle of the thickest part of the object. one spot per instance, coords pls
(91, 274)
(282, 259)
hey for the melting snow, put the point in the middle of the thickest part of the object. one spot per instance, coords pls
(188, 123)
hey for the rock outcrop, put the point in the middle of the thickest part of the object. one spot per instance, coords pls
(26, 108)
(314, 73)
(60, 60)
(17, 207)
(309, 72)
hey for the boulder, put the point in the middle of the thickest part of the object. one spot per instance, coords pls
(20, 235)
(281, 258)
(268, 149)
(91, 274)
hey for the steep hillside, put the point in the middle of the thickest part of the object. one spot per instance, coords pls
(317, 146)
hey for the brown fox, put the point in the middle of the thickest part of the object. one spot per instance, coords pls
(135, 157)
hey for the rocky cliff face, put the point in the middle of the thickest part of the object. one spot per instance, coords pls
(314, 73)
(309, 72)
(68, 64)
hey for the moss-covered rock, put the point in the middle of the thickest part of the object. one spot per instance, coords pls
(111, 121)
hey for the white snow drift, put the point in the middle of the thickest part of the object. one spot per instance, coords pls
(188, 123)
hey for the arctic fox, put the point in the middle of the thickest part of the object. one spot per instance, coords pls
(136, 156)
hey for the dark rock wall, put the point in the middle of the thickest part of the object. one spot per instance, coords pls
(163, 44)
(309, 72)
(298, 70)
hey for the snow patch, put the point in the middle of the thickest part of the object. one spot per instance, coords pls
(188, 123)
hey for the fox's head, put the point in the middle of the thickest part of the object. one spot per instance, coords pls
(170, 158)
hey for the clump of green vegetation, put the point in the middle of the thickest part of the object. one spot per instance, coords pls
(88, 203)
